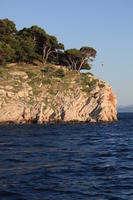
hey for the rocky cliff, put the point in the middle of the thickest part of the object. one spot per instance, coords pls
(53, 94)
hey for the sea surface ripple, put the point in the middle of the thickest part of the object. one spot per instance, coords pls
(67, 161)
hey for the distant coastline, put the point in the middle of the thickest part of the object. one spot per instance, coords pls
(127, 109)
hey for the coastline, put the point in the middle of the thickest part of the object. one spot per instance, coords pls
(29, 94)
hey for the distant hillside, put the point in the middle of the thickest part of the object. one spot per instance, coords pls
(125, 108)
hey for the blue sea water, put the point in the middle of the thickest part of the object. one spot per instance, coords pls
(67, 161)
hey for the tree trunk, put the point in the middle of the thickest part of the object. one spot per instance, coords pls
(47, 54)
(44, 52)
(81, 64)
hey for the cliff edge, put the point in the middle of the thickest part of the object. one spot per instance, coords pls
(50, 94)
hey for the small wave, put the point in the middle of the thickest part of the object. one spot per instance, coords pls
(104, 168)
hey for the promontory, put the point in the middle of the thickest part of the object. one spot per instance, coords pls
(49, 94)
(41, 81)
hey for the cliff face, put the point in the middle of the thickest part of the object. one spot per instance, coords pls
(52, 96)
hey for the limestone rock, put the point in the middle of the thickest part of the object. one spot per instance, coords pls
(24, 106)
(12, 112)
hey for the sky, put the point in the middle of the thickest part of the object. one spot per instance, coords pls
(106, 25)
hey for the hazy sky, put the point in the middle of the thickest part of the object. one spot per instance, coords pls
(106, 25)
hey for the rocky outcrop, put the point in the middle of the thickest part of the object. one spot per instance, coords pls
(20, 103)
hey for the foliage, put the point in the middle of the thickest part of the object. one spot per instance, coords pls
(34, 43)
(7, 54)
(78, 59)
(86, 66)
(7, 28)
(25, 50)
(59, 73)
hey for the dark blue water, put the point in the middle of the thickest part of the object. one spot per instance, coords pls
(67, 162)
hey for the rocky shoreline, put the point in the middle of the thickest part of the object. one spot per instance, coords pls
(26, 98)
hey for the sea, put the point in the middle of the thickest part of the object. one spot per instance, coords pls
(76, 161)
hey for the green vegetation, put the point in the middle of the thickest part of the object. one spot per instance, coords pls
(32, 45)
(59, 73)
(29, 59)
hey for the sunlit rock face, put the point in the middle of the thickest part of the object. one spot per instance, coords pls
(21, 103)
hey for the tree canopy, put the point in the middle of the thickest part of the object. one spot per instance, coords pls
(7, 27)
(34, 43)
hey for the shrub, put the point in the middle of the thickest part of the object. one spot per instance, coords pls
(59, 73)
